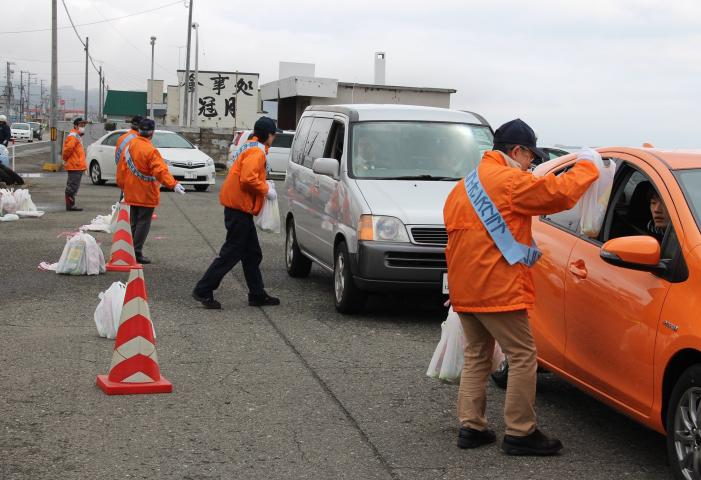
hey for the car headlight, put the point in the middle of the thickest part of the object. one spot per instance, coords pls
(209, 162)
(168, 162)
(382, 229)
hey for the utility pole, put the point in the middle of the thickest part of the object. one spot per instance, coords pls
(54, 81)
(29, 97)
(87, 56)
(41, 95)
(184, 118)
(196, 26)
(21, 95)
(99, 96)
(150, 93)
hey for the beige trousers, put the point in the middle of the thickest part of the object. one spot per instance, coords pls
(513, 332)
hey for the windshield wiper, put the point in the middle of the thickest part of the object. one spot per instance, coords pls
(424, 177)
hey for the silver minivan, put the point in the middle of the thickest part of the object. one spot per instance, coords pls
(366, 186)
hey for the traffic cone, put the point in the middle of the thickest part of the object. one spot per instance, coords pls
(134, 367)
(122, 257)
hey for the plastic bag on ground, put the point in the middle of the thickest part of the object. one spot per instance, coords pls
(101, 223)
(10, 217)
(268, 220)
(81, 256)
(8, 204)
(109, 310)
(594, 201)
(449, 356)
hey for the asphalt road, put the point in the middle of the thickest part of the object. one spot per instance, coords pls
(296, 391)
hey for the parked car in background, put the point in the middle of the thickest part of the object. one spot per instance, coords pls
(366, 186)
(37, 130)
(186, 162)
(22, 131)
(618, 315)
(278, 154)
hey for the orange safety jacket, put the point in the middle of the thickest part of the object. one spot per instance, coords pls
(143, 188)
(479, 278)
(73, 153)
(121, 165)
(245, 187)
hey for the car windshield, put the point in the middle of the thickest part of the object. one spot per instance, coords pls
(170, 140)
(690, 181)
(417, 150)
(283, 140)
(20, 126)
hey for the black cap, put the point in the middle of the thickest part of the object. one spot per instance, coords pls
(136, 121)
(147, 125)
(78, 120)
(517, 132)
(266, 125)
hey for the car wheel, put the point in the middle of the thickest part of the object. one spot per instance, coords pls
(500, 376)
(348, 298)
(684, 425)
(96, 174)
(298, 265)
(201, 188)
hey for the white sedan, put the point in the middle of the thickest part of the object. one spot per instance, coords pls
(186, 163)
(22, 131)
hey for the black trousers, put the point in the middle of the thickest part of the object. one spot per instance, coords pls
(241, 245)
(140, 225)
(73, 182)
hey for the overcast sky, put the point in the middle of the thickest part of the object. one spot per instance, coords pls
(594, 72)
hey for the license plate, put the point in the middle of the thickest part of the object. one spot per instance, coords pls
(445, 284)
(190, 175)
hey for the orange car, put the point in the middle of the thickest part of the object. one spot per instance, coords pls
(619, 316)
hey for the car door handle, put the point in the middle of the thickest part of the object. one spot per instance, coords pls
(578, 269)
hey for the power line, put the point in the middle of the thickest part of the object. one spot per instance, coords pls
(165, 69)
(94, 23)
(78, 35)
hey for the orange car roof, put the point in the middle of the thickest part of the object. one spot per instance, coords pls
(676, 159)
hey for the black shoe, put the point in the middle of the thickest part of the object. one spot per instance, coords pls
(208, 302)
(73, 209)
(536, 443)
(471, 438)
(261, 300)
(143, 260)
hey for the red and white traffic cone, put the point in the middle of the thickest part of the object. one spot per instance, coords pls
(134, 367)
(122, 256)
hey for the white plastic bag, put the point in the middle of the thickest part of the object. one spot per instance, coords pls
(268, 220)
(109, 310)
(449, 356)
(24, 200)
(8, 204)
(4, 156)
(81, 256)
(594, 201)
(10, 217)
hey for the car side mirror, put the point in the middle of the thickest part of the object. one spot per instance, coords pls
(197, 147)
(640, 252)
(326, 166)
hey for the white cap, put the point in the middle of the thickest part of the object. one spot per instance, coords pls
(3, 118)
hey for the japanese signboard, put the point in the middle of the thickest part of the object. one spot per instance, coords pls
(221, 99)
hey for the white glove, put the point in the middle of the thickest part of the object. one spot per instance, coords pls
(589, 155)
(272, 194)
(179, 189)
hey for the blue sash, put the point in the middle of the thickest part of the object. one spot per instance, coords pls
(246, 146)
(134, 170)
(122, 146)
(513, 251)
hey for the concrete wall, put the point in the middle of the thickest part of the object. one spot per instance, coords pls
(350, 94)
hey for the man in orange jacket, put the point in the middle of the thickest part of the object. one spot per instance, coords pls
(489, 253)
(242, 195)
(145, 173)
(74, 162)
(122, 143)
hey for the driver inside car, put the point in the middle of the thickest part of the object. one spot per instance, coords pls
(660, 217)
